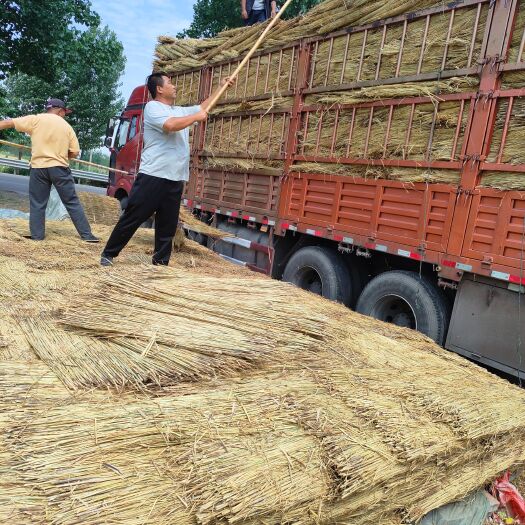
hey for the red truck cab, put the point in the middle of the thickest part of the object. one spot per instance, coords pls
(124, 140)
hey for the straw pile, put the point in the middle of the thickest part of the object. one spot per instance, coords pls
(515, 79)
(165, 335)
(166, 396)
(255, 142)
(190, 222)
(14, 201)
(433, 132)
(360, 423)
(100, 209)
(246, 135)
(406, 175)
(62, 250)
(392, 91)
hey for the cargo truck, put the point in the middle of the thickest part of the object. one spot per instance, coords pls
(332, 195)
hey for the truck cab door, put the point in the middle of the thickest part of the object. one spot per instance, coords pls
(128, 143)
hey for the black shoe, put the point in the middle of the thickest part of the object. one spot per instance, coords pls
(159, 263)
(32, 238)
(106, 260)
(91, 238)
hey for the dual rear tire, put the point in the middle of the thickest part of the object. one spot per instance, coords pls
(399, 297)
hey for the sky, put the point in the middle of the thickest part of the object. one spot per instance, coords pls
(137, 25)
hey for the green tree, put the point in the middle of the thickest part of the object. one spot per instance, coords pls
(90, 65)
(33, 34)
(213, 16)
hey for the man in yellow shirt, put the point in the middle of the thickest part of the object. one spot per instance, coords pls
(53, 143)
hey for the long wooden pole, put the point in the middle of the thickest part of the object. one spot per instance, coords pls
(85, 162)
(235, 74)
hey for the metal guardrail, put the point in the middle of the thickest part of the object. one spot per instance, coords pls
(80, 174)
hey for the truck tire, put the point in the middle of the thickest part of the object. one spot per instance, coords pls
(320, 271)
(406, 299)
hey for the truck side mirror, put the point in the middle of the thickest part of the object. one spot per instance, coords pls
(110, 131)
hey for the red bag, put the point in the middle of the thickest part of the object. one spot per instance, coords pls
(509, 497)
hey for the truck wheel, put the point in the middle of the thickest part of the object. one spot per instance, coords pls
(406, 299)
(321, 271)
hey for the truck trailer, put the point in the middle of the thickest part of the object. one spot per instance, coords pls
(378, 165)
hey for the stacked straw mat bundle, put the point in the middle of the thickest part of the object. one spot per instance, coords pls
(177, 397)
(241, 139)
(326, 17)
(100, 209)
(337, 62)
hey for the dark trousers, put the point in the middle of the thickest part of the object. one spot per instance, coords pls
(255, 17)
(40, 180)
(149, 195)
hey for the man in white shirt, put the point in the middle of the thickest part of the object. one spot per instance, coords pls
(164, 167)
(255, 11)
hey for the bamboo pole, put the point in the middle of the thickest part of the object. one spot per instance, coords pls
(85, 162)
(235, 74)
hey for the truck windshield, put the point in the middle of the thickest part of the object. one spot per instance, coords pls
(122, 134)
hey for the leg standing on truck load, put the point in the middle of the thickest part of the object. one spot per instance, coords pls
(164, 168)
(255, 11)
(53, 143)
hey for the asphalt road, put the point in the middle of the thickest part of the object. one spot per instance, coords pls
(20, 184)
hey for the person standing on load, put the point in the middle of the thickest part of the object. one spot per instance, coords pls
(164, 167)
(53, 143)
(255, 11)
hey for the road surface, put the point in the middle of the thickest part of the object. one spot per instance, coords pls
(20, 184)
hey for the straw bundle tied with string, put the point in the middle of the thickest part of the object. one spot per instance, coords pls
(332, 417)
(277, 447)
(165, 335)
(324, 18)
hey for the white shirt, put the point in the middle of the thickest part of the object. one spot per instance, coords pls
(258, 5)
(165, 155)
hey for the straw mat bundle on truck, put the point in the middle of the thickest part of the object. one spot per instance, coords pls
(325, 18)
(248, 131)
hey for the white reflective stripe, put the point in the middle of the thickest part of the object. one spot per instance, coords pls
(348, 240)
(229, 213)
(381, 248)
(232, 260)
(403, 253)
(271, 223)
(245, 243)
(198, 206)
(185, 201)
(500, 275)
(217, 211)
(464, 267)
(310, 232)
(293, 228)
(516, 288)
(253, 219)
